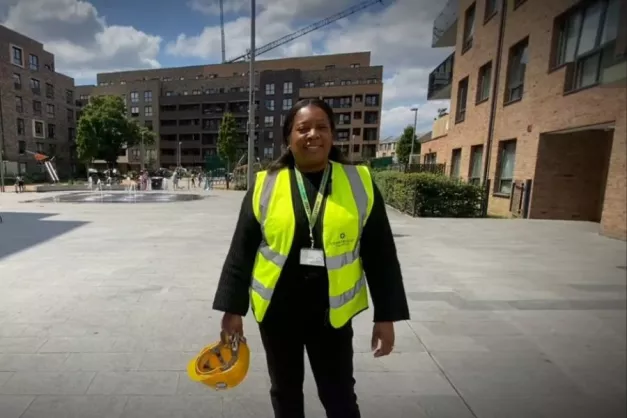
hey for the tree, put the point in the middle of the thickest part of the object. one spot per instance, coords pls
(104, 130)
(227, 142)
(403, 146)
(144, 137)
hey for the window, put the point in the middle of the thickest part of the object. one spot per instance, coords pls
(148, 125)
(516, 71)
(462, 95)
(38, 129)
(36, 107)
(507, 159)
(354, 65)
(469, 28)
(456, 160)
(35, 86)
(50, 110)
(19, 105)
(270, 104)
(52, 149)
(343, 118)
(20, 126)
(17, 56)
(357, 115)
(70, 115)
(310, 84)
(358, 98)
(329, 83)
(329, 67)
(22, 150)
(71, 134)
(268, 121)
(357, 131)
(287, 104)
(169, 93)
(148, 111)
(39, 147)
(49, 91)
(476, 161)
(69, 97)
(270, 89)
(134, 97)
(148, 96)
(490, 9)
(342, 135)
(484, 82)
(288, 87)
(33, 62)
(17, 81)
(345, 102)
(371, 117)
(135, 111)
(431, 158)
(370, 134)
(195, 92)
(185, 93)
(51, 130)
(584, 37)
(268, 152)
(372, 100)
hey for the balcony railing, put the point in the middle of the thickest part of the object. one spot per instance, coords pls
(440, 80)
(445, 26)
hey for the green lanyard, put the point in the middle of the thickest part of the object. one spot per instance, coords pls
(312, 214)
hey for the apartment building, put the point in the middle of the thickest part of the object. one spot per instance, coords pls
(37, 107)
(185, 105)
(538, 101)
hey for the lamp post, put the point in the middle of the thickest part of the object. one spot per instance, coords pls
(2, 168)
(251, 99)
(413, 140)
(178, 156)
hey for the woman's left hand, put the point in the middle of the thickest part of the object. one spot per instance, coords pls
(382, 338)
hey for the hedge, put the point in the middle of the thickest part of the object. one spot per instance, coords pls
(429, 195)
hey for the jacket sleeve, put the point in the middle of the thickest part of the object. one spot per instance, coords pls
(381, 265)
(232, 295)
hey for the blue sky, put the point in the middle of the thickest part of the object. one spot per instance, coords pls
(91, 36)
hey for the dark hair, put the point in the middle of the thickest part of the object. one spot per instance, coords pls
(287, 158)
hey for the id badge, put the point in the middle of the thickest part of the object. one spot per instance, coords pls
(311, 257)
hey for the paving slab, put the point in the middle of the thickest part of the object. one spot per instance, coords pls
(103, 305)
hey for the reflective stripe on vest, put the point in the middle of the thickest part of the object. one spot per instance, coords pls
(333, 263)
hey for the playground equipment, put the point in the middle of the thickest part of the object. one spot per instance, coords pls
(47, 163)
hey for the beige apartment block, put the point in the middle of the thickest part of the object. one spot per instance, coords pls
(544, 109)
(186, 104)
(37, 107)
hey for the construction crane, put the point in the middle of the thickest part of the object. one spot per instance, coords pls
(302, 32)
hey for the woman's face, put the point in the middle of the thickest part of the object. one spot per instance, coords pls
(311, 138)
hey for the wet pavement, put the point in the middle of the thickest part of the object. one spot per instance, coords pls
(101, 307)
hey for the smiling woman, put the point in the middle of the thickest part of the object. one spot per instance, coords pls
(307, 268)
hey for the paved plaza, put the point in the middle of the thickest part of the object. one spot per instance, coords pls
(102, 306)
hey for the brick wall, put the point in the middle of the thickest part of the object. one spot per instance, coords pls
(570, 175)
(614, 219)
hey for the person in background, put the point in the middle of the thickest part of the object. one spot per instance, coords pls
(311, 233)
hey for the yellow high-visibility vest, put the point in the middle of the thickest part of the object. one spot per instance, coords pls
(345, 213)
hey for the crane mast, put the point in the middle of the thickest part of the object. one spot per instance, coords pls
(301, 32)
(222, 31)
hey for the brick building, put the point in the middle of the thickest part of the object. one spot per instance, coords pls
(537, 102)
(184, 105)
(37, 106)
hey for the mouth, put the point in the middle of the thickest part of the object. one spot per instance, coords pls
(312, 147)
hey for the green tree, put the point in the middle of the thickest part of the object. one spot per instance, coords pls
(403, 146)
(104, 130)
(227, 142)
(145, 138)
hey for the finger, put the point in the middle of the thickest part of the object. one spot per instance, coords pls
(374, 344)
(386, 347)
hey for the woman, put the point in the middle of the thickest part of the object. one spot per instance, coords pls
(304, 272)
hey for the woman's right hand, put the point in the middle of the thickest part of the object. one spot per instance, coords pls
(232, 324)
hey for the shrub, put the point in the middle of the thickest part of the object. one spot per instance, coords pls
(429, 195)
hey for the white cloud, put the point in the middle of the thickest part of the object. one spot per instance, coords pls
(395, 119)
(398, 36)
(81, 40)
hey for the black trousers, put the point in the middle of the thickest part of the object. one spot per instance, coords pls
(330, 353)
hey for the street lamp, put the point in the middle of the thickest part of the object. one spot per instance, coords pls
(251, 99)
(178, 156)
(413, 140)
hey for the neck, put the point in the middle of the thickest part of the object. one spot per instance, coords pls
(311, 168)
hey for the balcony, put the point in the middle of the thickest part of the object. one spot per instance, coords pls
(441, 80)
(445, 26)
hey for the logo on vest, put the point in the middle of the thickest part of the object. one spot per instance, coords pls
(343, 241)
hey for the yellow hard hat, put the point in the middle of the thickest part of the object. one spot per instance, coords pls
(222, 365)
